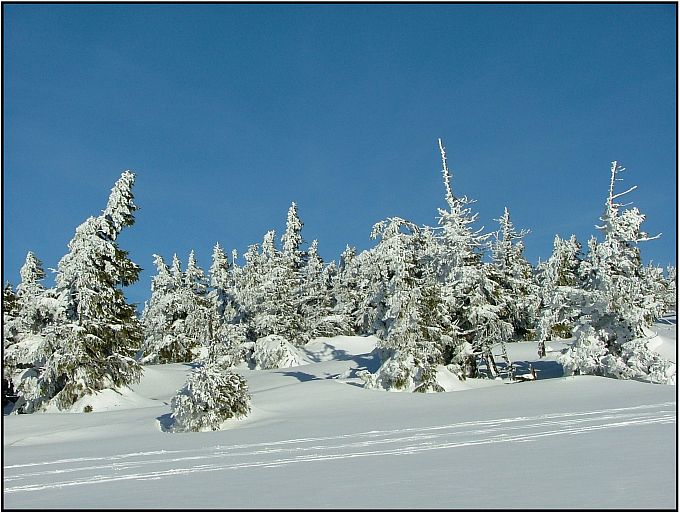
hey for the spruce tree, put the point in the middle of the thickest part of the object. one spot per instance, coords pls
(515, 276)
(292, 238)
(10, 329)
(95, 339)
(161, 341)
(612, 340)
(473, 298)
(407, 303)
(348, 291)
(316, 299)
(178, 320)
(26, 326)
(560, 283)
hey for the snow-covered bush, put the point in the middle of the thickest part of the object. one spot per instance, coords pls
(275, 352)
(586, 354)
(403, 371)
(590, 354)
(211, 395)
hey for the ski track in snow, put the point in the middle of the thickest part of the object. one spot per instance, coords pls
(153, 465)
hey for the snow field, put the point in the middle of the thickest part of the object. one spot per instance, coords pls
(317, 439)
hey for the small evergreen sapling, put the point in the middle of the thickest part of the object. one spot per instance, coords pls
(211, 395)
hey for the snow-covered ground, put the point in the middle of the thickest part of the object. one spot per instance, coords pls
(317, 439)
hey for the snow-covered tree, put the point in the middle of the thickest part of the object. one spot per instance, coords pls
(409, 314)
(292, 238)
(275, 352)
(349, 288)
(26, 325)
(474, 300)
(275, 308)
(10, 330)
(200, 316)
(561, 290)
(614, 333)
(247, 286)
(316, 297)
(163, 319)
(221, 283)
(227, 334)
(671, 288)
(515, 276)
(178, 319)
(93, 343)
(272, 281)
(211, 395)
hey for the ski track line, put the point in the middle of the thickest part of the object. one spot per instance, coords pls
(374, 433)
(365, 443)
(425, 443)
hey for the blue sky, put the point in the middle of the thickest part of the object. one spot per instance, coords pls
(227, 113)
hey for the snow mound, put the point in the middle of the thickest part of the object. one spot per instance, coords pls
(275, 352)
(339, 347)
(107, 400)
(664, 342)
(450, 382)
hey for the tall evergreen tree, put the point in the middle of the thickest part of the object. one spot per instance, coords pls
(316, 298)
(26, 328)
(349, 291)
(178, 320)
(163, 342)
(613, 340)
(292, 238)
(94, 342)
(562, 295)
(409, 331)
(278, 304)
(474, 299)
(515, 276)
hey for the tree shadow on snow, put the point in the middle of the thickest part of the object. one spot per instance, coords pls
(669, 319)
(300, 376)
(329, 351)
(546, 369)
(165, 422)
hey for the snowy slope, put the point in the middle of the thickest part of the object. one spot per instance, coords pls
(317, 439)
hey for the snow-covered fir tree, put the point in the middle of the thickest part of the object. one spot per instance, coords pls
(292, 238)
(93, 343)
(227, 333)
(163, 342)
(247, 286)
(349, 288)
(406, 302)
(316, 296)
(515, 276)
(613, 336)
(200, 316)
(10, 311)
(178, 319)
(275, 305)
(221, 284)
(473, 298)
(26, 327)
(561, 290)
(671, 288)
(277, 310)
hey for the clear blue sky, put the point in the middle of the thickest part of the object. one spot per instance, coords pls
(227, 113)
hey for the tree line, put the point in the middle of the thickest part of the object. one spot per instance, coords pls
(448, 294)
